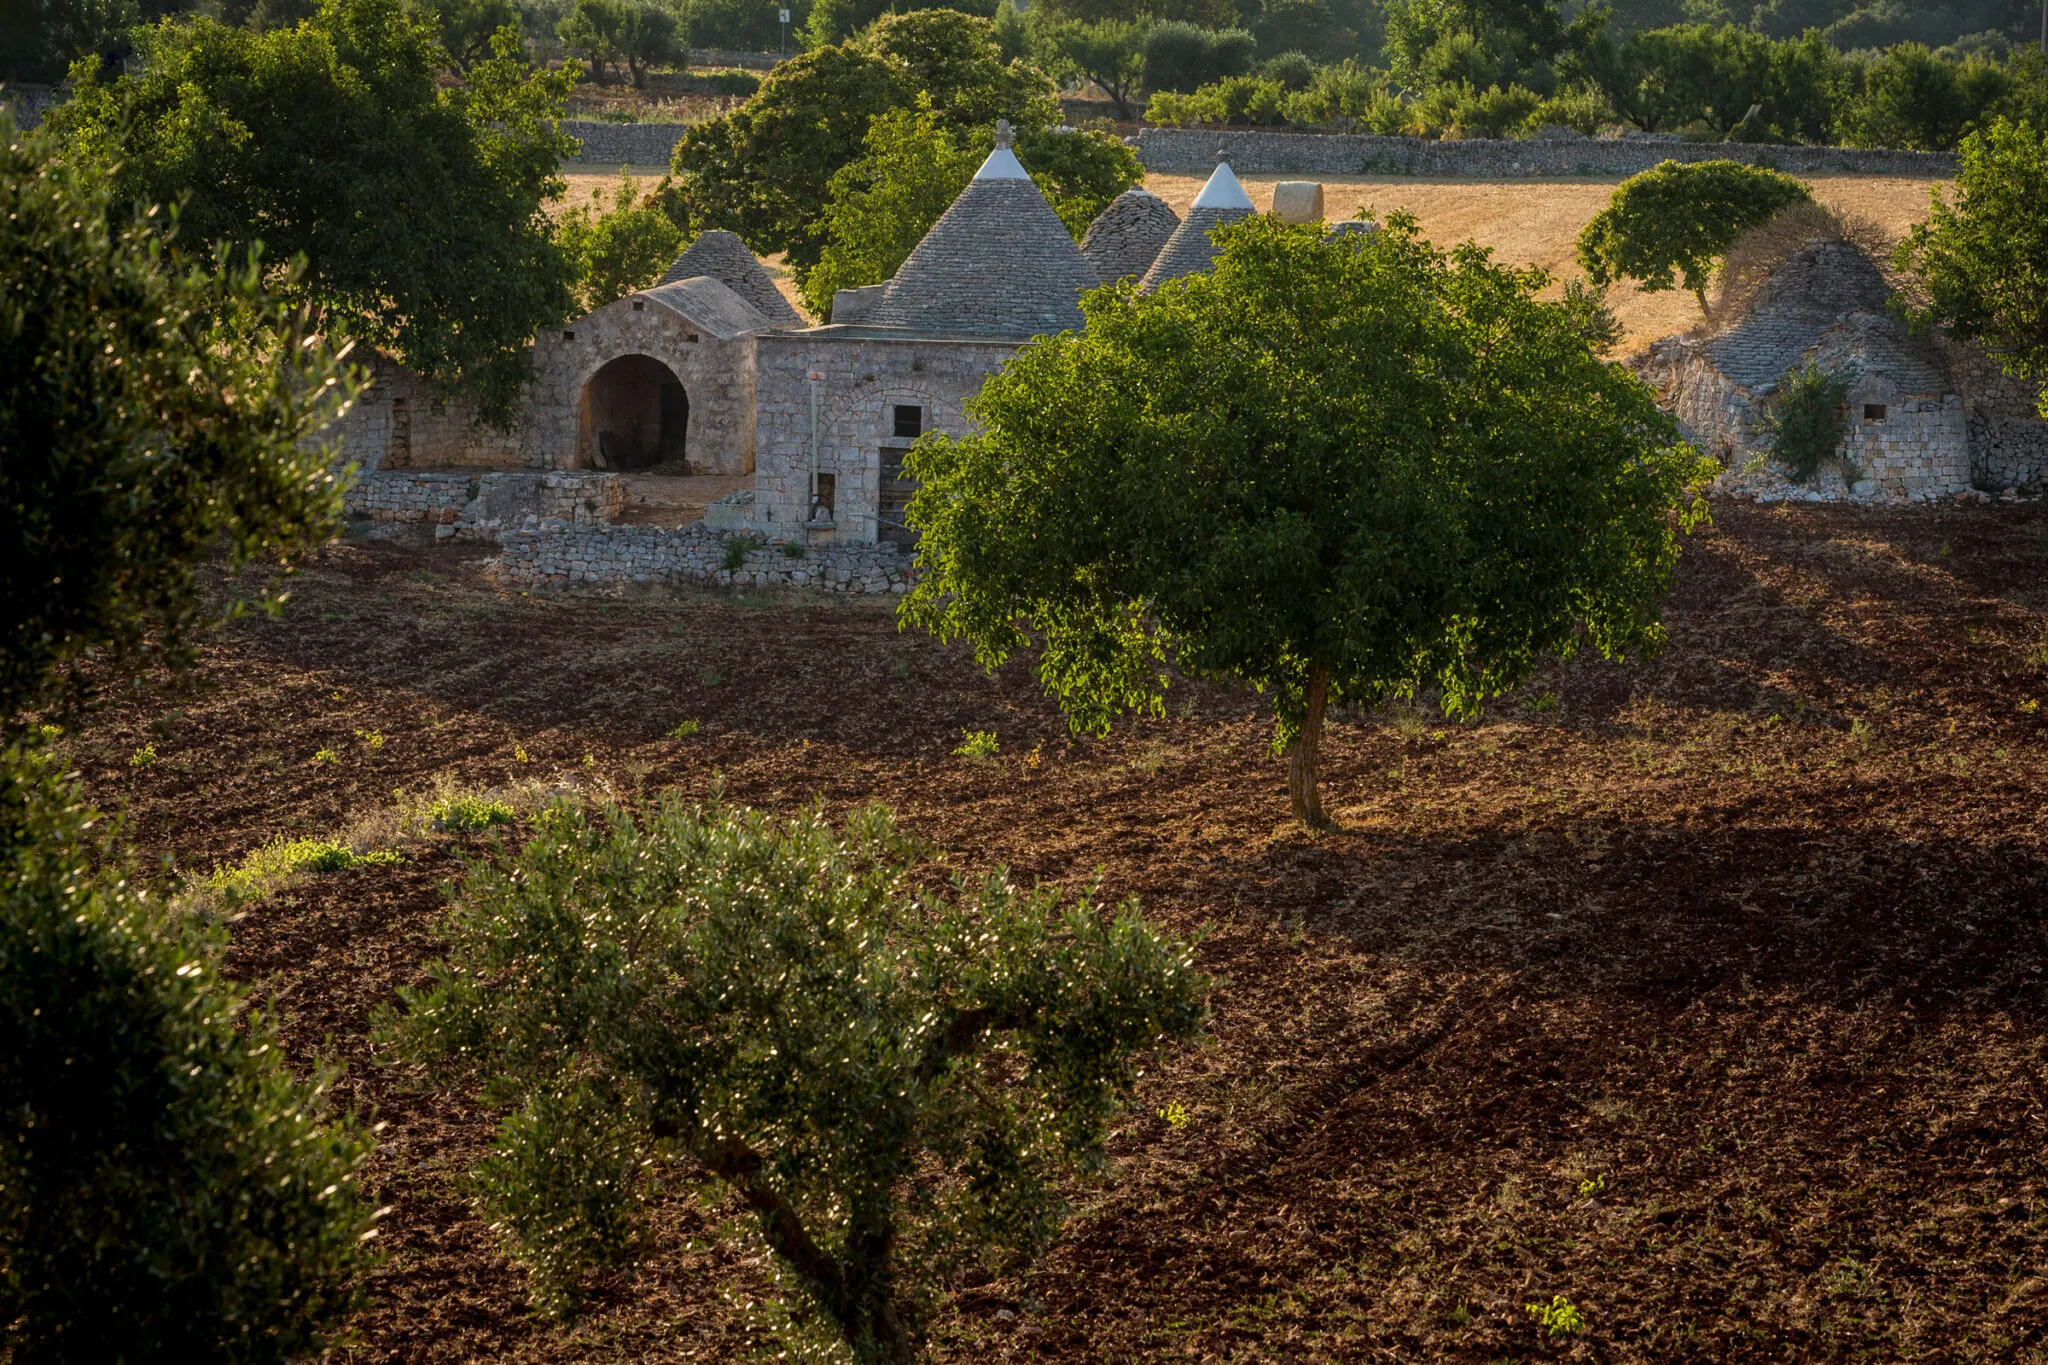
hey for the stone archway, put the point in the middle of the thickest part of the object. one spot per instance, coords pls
(634, 414)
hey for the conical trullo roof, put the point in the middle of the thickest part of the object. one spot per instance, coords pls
(1189, 251)
(725, 258)
(1126, 237)
(998, 263)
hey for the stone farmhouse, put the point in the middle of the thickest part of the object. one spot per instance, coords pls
(1926, 416)
(711, 371)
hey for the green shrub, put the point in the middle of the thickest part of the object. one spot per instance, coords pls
(893, 1081)
(461, 813)
(283, 861)
(616, 116)
(734, 84)
(977, 744)
(736, 551)
(1806, 421)
(618, 248)
(169, 1191)
(687, 729)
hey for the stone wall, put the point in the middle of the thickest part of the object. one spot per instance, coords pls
(861, 381)
(1192, 151)
(2008, 439)
(476, 506)
(639, 144)
(557, 554)
(402, 422)
(718, 377)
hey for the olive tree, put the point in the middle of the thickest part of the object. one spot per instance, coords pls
(168, 1190)
(891, 1080)
(1673, 221)
(1336, 470)
(1982, 261)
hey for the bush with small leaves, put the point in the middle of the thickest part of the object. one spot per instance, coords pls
(169, 1191)
(1806, 419)
(893, 1081)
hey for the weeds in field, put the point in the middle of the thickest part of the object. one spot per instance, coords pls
(1175, 1114)
(1036, 756)
(144, 757)
(736, 554)
(901, 668)
(460, 812)
(1459, 1315)
(2030, 707)
(977, 745)
(1543, 701)
(374, 739)
(1558, 1318)
(326, 754)
(283, 861)
(1589, 1188)
(2036, 656)
(710, 677)
(685, 730)
(519, 754)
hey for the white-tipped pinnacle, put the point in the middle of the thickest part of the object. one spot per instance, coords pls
(1223, 191)
(1002, 163)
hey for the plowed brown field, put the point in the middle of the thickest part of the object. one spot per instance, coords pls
(1707, 992)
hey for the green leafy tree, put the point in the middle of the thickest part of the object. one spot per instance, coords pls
(1807, 419)
(40, 39)
(891, 1080)
(1185, 57)
(1361, 468)
(763, 170)
(879, 208)
(615, 33)
(150, 408)
(1108, 52)
(1911, 98)
(618, 249)
(1673, 221)
(168, 1192)
(417, 208)
(1982, 260)
(466, 27)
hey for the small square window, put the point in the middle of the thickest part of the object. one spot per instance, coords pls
(909, 421)
(693, 338)
(568, 336)
(1873, 412)
(638, 306)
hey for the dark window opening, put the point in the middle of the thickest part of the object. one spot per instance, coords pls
(638, 306)
(693, 338)
(568, 336)
(827, 497)
(1873, 412)
(894, 499)
(909, 421)
(400, 452)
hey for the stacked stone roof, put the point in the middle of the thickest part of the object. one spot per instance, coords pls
(1190, 250)
(722, 256)
(1126, 237)
(1812, 290)
(999, 263)
(711, 305)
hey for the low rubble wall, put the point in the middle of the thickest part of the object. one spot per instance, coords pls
(474, 506)
(561, 554)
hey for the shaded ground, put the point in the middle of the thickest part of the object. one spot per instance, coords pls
(1706, 993)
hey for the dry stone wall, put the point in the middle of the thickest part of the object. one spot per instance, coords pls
(1192, 151)
(477, 506)
(553, 554)
(638, 144)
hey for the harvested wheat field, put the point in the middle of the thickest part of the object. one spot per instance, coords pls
(1537, 222)
(1706, 992)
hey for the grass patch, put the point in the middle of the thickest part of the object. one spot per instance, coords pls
(283, 861)
(977, 745)
(685, 730)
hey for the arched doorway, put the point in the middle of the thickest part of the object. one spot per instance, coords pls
(634, 415)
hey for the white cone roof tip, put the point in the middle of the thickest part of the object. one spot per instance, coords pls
(1223, 190)
(1002, 163)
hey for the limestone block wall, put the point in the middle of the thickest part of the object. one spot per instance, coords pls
(1919, 449)
(471, 504)
(640, 144)
(557, 554)
(2008, 439)
(1192, 151)
(861, 383)
(408, 497)
(717, 375)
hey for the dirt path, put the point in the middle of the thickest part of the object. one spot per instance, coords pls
(1708, 993)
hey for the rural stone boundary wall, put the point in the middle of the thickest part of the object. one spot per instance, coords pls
(560, 554)
(476, 506)
(1192, 151)
(640, 144)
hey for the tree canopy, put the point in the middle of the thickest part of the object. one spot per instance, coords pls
(1673, 221)
(1360, 468)
(1982, 259)
(149, 407)
(617, 249)
(764, 170)
(417, 208)
(891, 1079)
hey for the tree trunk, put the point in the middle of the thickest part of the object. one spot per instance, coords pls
(1301, 754)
